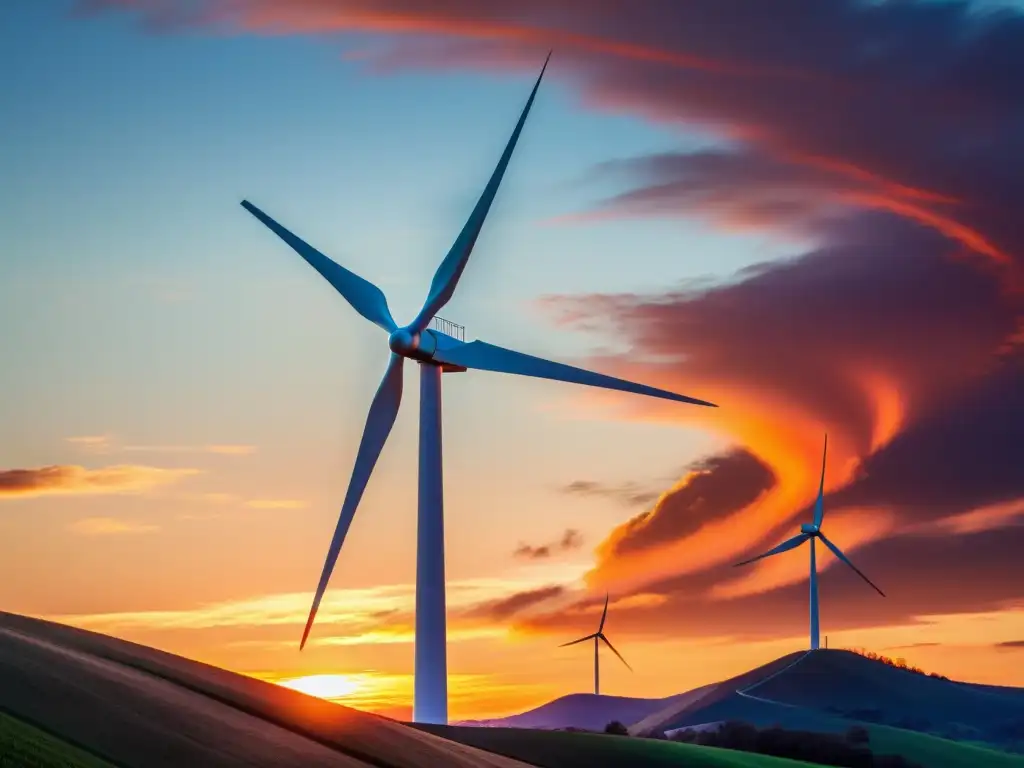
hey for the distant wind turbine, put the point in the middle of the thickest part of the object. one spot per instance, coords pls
(810, 532)
(436, 352)
(599, 637)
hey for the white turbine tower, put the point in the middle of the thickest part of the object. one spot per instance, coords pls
(599, 637)
(810, 532)
(436, 352)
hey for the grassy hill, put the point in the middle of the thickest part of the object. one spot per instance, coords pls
(847, 683)
(24, 746)
(142, 708)
(934, 752)
(562, 749)
(559, 749)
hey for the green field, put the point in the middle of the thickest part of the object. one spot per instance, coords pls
(933, 752)
(22, 746)
(560, 749)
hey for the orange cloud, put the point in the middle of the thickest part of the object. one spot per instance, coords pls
(74, 480)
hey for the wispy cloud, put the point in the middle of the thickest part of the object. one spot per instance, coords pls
(630, 494)
(108, 526)
(221, 450)
(76, 480)
(571, 539)
(91, 443)
(110, 444)
(1010, 644)
(347, 616)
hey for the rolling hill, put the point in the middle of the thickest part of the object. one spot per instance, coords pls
(583, 710)
(561, 749)
(824, 689)
(76, 699)
(69, 697)
(137, 707)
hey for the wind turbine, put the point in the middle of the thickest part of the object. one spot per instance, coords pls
(810, 532)
(598, 637)
(436, 352)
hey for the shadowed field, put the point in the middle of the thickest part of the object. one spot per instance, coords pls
(142, 708)
(588, 711)
(24, 746)
(563, 749)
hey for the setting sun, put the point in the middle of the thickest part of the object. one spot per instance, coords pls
(323, 686)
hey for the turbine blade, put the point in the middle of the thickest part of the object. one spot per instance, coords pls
(838, 553)
(379, 421)
(576, 642)
(785, 546)
(488, 357)
(609, 644)
(365, 297)
(604, 615)
(442, 287)
(819, 504)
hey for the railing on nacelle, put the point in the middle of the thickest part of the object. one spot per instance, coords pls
(448, 328)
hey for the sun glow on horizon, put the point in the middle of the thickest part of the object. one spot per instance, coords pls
(328, 687)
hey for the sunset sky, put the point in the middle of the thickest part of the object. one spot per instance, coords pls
(811, 217)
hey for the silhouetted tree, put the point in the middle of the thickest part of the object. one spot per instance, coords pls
(616, 728)
(898, 663)
(819, 748)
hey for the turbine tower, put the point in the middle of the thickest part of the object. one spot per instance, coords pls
(810, 532)
(436, 352)
(598, 637)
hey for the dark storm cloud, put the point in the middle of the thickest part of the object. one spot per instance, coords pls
(966, 454)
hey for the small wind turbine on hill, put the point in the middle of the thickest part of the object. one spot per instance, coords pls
(598, 638)
(436, 352)
(810, 532)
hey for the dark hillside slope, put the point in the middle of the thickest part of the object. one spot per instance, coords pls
(686, 708)
(582, 710)
(143, 708)
(844, 682)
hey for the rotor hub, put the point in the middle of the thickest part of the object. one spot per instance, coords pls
(404, 342)
(810, 529)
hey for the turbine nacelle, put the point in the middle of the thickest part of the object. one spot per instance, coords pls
(423, 346)
(810, 532)
(414, 345)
